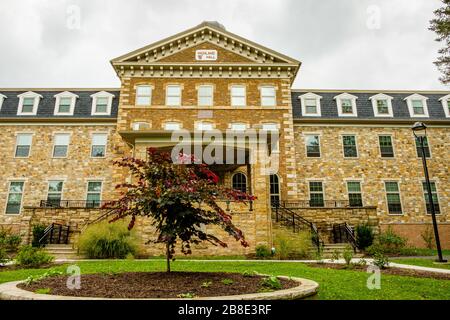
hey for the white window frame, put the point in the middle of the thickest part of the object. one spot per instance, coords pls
(168, 123)
(199, 125)
(102, 94)
(62, 189)
(315, 192)
(2, 98)
(54, 144)
(409, 101)
(240, 97)
(136, 126)
(310, 96)
(399, 194)
(16, 144)
(345, 96)
(243, 126)
(211, 87)
(21, 198)
(92, 144)
(30, 94)
(343, 146)
(381, 96)
(179, 97)
(144, 96)
(347, 181)
(274, 97)
(305, 136)
(65, 94)
(101, 189)
(444, 100)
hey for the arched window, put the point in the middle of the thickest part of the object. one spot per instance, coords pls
(274, 190)
(239, 182)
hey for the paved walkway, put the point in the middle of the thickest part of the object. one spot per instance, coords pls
(340, 261)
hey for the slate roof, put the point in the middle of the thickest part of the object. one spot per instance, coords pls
(46, 106)
(364, 105)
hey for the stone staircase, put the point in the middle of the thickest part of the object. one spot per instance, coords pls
(62, 251)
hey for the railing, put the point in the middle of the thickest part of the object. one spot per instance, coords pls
(72, 203)
(342, 232)
(316, 204)
(55, 234)
(297, 222)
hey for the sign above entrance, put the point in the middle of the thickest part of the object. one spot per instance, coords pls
(206, 55)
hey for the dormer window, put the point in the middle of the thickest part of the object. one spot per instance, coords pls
(28, 103)
(101, 103)
(2, 98)
(346, 104)
(382, 105)
(310, 104)
(65, 104)
(417, 106)
(445, 100)
(143, 95)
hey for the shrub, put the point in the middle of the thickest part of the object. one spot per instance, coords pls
(4, 258)
(428, 237)
(262, 252)
(292, 246)
(380, 260)
(335, 255)
(387, 242)
(30, 257)
(271, 283)
(364, 236)
(106, 240)
(38, 233)
(9, 241)
(348, 255)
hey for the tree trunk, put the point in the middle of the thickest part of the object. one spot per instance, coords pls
(168, 256)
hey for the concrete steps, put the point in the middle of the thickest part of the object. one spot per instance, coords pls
(62, 251)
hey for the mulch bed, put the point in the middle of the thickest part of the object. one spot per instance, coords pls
(390, 270)
(154, 285)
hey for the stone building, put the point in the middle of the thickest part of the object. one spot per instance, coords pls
(343, 157)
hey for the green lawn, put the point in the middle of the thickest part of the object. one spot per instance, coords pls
(334, 284)
(423, 262)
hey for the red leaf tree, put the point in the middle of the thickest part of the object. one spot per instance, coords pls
(179, 198)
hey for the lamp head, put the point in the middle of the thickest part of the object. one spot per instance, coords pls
(419, 129)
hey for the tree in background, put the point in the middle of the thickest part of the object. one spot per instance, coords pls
(441, 25)
(179, 198)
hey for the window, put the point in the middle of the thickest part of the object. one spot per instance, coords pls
(172, 126)
(434, 195)
(28, 103)
(346, 104)
(15, 195)
(426, 147)
(205, 126)
(445, 100)
(417, 105)
(61, 145)
(141, 126)
(239, 182)
(98, 149)
(101, 103)
(65, 103)
(312, 146)
(270, 127)
(274, 190)
(144, 95)
(205, 96)
(23, 145)
(238, 96)
(386, 147)
(173, 96)
(393, 197)
(382, 105)
(310, 104)
(54, 194)
(238, 126)
(316, 198)
(94, 194)
(268, 97)
(354, 193)
(350, 149)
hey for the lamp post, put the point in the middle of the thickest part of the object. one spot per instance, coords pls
(420, 133)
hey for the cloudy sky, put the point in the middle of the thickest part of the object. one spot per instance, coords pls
(345, 44)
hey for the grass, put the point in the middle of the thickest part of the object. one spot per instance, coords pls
(422, 252)
(334, 284)
(423, 262)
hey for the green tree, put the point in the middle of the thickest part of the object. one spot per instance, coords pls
(441, 25)
(179, 197)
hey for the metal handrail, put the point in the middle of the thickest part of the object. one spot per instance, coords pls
(349, 233)
(72, 203)
(316, 204)
(51, 228)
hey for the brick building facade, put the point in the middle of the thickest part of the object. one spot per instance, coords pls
(344, 156)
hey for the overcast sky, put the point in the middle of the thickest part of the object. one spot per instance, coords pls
(345, 44)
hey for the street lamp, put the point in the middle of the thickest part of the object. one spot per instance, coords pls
(420, 133)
